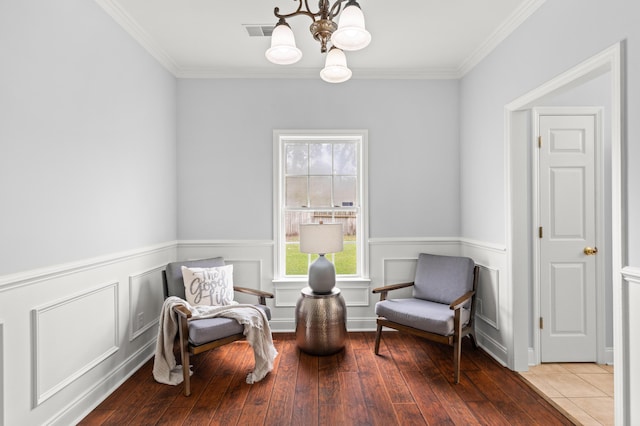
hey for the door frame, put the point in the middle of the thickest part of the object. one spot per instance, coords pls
(600, 231)
(518, 236)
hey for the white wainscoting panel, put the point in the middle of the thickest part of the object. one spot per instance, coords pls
(493, 324)
(488, 296)
(287, 294)
(91, 318)
(355, 293)
(628, 384)
(69, 326)
(145, 301)
(2, 381)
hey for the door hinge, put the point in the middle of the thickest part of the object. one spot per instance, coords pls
(541, 323)
(539, 141)
(540, 232)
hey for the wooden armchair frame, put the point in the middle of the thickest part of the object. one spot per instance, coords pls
(187, 349)
(454, 340)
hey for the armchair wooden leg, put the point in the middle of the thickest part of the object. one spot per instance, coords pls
(456, 358)
(184, 355)
(457, 347)
(378, 334)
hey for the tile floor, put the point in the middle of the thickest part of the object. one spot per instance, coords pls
(583, 391)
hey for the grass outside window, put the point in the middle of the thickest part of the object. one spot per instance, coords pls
(344, 261)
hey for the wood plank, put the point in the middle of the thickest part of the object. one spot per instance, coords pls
(346, 360)
(329, 390)
(233, 400)
(409, 383)
(281, 403)
(356, 411)
(488, 414)
(174, 416)
(393, 381)
(96, 417)
(409, 415)
(374, 393)
(453, 405)
(398, 350)
(437, 359)
(212, 381)
(305, 402)
(332, 415)
(426, 400)
(519, 392)
(137, 397)
(257, 403)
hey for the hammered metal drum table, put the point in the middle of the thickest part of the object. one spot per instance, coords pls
(321, 322)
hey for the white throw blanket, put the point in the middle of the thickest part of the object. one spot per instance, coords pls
(256, 330)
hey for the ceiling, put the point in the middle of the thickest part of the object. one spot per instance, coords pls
(410, 38)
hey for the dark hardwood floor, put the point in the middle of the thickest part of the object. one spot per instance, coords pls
(411, 383)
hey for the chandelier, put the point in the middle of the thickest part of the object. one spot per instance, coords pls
(349, 34)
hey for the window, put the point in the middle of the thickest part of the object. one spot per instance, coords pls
(320, 176)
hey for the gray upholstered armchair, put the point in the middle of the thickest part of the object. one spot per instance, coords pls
(442, 307)
(203, 334)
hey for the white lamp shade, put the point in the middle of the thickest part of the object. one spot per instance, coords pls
(351, 33)
(321, 238)
(283, 50)
(335, 68)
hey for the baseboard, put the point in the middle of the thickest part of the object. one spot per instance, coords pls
(88, 401)
(608, 356)
(493, 348)
(532, 359)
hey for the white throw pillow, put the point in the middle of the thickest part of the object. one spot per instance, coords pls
(208, 286)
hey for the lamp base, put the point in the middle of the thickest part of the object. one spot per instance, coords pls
(322, 275)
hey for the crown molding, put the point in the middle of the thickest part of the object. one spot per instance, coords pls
(520, 15)
(139, 34)
(130, 25)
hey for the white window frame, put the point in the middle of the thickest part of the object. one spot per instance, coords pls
(362, 240)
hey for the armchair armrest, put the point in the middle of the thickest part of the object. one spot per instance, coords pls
(262, 295)
(182, 311)
(457, 304)
(387, 288)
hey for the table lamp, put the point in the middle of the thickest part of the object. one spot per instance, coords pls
(319, 238)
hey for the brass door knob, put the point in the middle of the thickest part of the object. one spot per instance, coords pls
(590, 251)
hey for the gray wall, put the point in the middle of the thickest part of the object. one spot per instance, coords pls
(87, 207)
(225, 155)
(87, 137)
(557, 37)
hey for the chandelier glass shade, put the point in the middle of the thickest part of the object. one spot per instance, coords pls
(283, 48)
(335, 68)
(349, 34)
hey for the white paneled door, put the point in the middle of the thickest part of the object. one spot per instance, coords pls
(567, 235)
